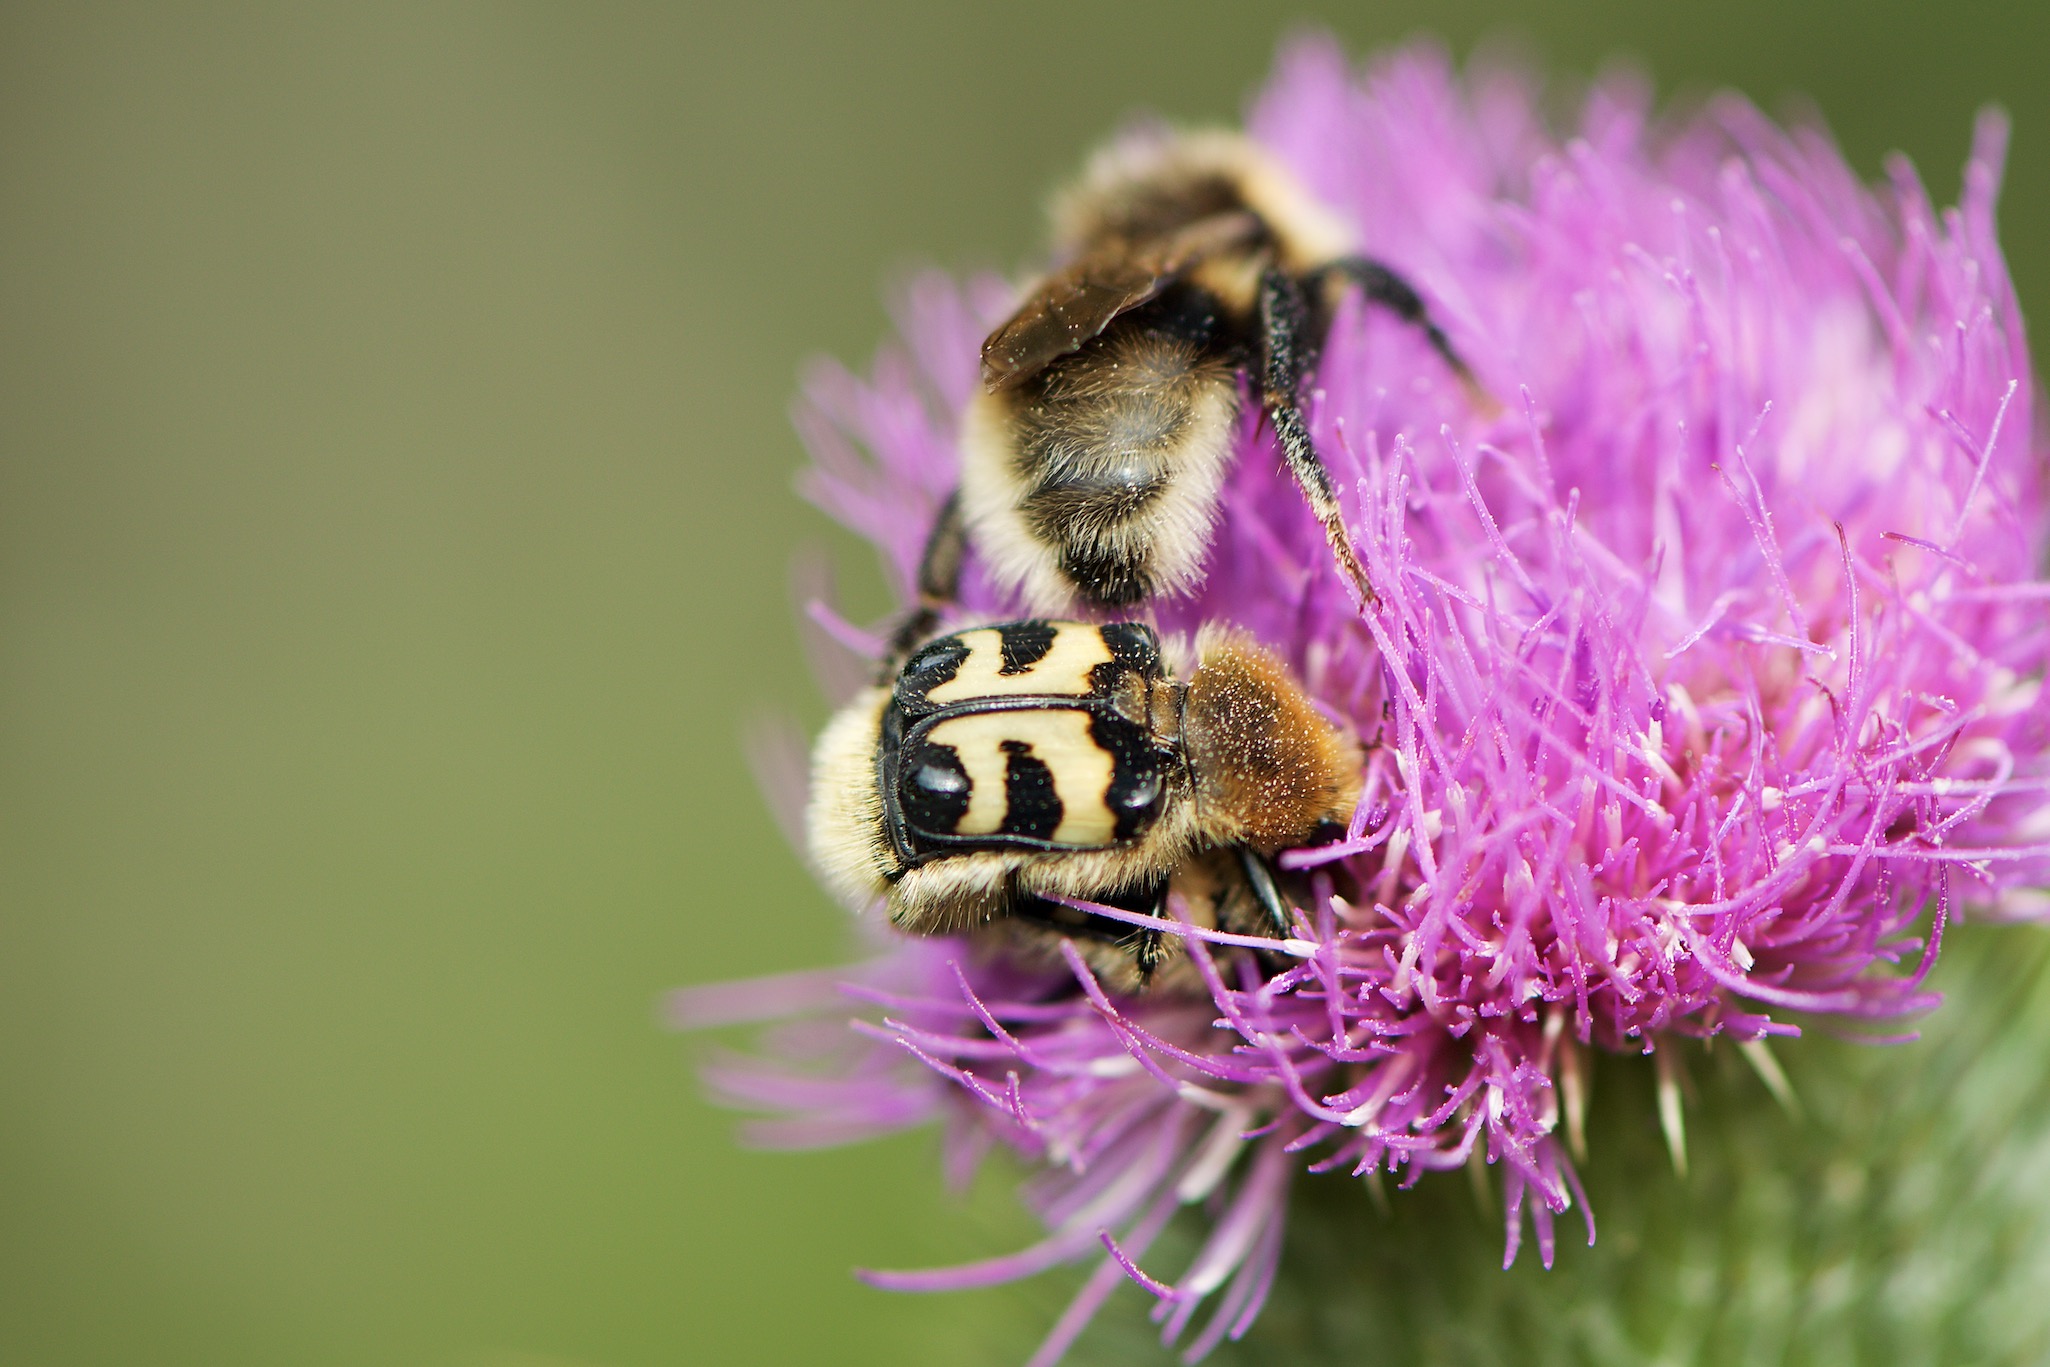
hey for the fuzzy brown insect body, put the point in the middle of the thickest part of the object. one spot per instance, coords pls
(1192, 269)
(1008, 770)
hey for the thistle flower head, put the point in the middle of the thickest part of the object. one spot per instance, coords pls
(1703, 686)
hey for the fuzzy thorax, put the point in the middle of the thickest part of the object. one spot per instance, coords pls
(1269, 770)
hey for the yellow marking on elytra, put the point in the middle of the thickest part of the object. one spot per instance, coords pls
(1062, 672)
(1082, 773)
(1059, 737)
(978, 740)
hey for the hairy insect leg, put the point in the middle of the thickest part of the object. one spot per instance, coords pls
(939, 583)
(1145, 948)
(1384, 286)
(1266, 891)
(1284, 334)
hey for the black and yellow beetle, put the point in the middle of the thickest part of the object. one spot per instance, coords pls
(1006, 767)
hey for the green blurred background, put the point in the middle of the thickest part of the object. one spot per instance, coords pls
(394, 537)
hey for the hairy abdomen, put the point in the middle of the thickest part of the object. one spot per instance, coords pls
(1098, 479)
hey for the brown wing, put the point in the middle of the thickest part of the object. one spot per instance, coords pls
(1070, 306)
(1080, 300)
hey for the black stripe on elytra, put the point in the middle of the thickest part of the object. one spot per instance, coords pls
(889, 762)
(932, 790)
(933, 664)
(1032, 805)
(1024, 644)
(1138, 772)
(1134, 646)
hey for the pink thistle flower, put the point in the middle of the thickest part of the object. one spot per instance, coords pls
(1705, 686)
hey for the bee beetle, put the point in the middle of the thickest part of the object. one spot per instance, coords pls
(1009, 766)
(1094, 451)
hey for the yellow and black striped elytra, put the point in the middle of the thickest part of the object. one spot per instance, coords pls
(1005, 768)
(1012, 736)
(1188, 267)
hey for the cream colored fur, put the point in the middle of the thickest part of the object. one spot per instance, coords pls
(1175, 527)
(1309, 233)
(844, 819)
